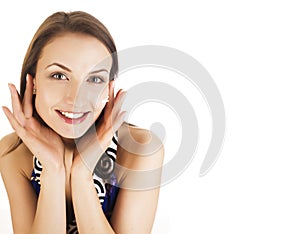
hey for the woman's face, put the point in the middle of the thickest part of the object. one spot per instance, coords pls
(71, 83)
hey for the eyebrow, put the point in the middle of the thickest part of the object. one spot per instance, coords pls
(69, 70)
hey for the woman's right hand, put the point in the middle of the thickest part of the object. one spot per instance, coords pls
(42, 141)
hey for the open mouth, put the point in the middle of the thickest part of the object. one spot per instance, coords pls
(72, 117)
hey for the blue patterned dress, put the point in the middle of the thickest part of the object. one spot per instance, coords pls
(105, 182)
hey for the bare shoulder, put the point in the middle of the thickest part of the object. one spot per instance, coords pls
(19, 159)
(8, 142)
(16, 167)
(140, 157)
(139, 148)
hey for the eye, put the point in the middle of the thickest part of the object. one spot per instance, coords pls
(59, 76)
(96, 79)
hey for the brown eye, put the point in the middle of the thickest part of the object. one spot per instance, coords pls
(59, 76)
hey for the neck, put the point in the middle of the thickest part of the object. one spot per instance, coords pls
(69, 143)
(69, 151)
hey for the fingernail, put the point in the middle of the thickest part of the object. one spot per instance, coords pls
(10, 86)
(26, 78)
(3, 109)
(124, 93)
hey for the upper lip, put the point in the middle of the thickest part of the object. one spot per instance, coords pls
(72, 115)
(73, 112)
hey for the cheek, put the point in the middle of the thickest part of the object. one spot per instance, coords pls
(41, 101)
(100, 100)
(98, 103)
(47, 96)
(42, 105)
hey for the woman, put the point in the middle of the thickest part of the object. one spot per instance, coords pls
(70, 135)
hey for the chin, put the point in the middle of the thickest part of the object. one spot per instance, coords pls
(72, 133)
(70, 136)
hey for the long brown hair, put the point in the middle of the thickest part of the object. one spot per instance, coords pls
(55, 25)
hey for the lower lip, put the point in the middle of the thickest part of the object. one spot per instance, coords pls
(72, 121)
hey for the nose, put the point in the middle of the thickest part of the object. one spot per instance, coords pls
(73, 93)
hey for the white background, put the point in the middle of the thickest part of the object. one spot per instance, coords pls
(252, 51)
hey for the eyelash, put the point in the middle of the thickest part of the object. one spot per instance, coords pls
(100, 79)
(90, 79)
(58, 74)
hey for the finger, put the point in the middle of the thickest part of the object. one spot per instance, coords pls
(27, 101)
(120, 95)
(120, 98)
(16, 104)
(113, 111)
(26, 137)
(20, 131)
(111, 100)
(111, 95)
(120, 92)
(119, 120)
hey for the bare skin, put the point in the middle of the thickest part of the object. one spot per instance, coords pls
(67, 177)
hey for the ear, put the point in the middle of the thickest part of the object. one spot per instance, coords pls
(34, 86)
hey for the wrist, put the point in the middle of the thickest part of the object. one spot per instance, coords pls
(80, 171)
(57, 175)
(54, 169)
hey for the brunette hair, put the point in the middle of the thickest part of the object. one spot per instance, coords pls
(56, 25)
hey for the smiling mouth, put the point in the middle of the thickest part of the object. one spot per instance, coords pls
(72, 117)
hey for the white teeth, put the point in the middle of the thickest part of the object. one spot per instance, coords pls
(72, 115)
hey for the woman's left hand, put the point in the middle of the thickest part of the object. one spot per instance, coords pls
(93, 144)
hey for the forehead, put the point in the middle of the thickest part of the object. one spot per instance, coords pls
(80, 52)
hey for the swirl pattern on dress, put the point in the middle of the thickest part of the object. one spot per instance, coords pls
(105, 181)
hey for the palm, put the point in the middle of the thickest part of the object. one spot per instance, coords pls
(41, 146)
(42, 141)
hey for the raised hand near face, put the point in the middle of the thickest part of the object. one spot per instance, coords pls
(42, 141)
(94, 143)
